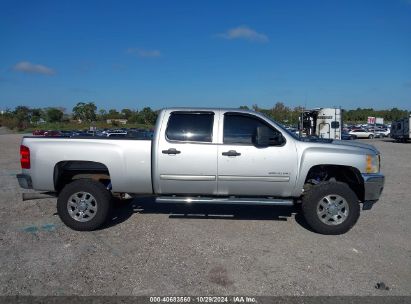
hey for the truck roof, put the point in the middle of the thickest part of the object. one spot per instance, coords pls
(206, 109)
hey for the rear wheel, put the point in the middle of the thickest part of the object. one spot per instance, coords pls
(84, 205)
(331, 208)
(370, 136)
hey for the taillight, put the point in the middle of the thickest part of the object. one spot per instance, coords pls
(24, 157)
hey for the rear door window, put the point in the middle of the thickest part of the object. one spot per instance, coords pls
(190, 126)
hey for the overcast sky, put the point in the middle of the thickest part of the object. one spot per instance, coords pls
(133, 54)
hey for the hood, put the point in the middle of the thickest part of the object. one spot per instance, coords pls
(352, 143)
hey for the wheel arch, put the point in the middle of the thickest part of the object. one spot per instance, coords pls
(341, 173)
(69, 170)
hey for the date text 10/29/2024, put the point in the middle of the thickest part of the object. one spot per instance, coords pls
(203, 299)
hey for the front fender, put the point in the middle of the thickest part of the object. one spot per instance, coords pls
(316, 155)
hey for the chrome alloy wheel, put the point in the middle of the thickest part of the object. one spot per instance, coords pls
(82, 206)
(332, 209)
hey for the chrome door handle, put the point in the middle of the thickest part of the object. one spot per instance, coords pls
(231, 153)
(171, 151)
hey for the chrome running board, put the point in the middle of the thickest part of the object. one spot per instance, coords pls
(224, 200)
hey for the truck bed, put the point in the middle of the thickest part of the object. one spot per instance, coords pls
(127, 160)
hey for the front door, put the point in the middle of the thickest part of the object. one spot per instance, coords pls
(247, 170)
(187, 156)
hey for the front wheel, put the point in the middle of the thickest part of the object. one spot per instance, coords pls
(84, 205)
(331, 208)
(371, 136)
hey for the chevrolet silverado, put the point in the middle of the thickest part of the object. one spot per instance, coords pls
(210, 156)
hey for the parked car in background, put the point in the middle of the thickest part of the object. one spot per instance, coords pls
(52, 133)
(113, 135)
(381, 132)
(387, 132)
(84, 134)
(116, 134)
(123, 132)
(38, 132)
(65, 133)
(362, 133)
(140, 134)
(375, 132)
(347, 136)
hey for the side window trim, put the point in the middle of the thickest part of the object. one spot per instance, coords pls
(211, 113)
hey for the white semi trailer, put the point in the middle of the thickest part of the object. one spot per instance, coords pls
(401, 129)
(322, 122)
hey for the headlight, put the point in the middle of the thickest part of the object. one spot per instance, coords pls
(372, 163)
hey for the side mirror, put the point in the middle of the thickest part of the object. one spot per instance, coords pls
(266, 137)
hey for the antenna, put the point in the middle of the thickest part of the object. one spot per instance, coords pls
(305, 100)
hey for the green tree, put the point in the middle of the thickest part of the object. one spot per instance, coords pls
(280, 112)
(102, 114)
(148, 116)
(85, 111)
(54, 115)
(113, 114)
(36, 115)
(126, 113)
(8, 119)
(22, 116)
(360, 114)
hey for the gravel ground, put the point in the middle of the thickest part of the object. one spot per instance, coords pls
(178, 250)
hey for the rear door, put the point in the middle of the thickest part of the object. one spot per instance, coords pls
(324, 130)
(247, 170)
(187, 153)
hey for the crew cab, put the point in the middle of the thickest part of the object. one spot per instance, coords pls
(211, 156)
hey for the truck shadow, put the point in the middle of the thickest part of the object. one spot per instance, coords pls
(124, 209)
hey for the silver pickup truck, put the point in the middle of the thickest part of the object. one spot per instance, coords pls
(211, 156)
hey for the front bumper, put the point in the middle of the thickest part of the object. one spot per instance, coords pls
(24, 181)
(373, 186)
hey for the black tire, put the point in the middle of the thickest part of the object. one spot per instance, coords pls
(370, 136)
(102, 201)
(311, 201)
